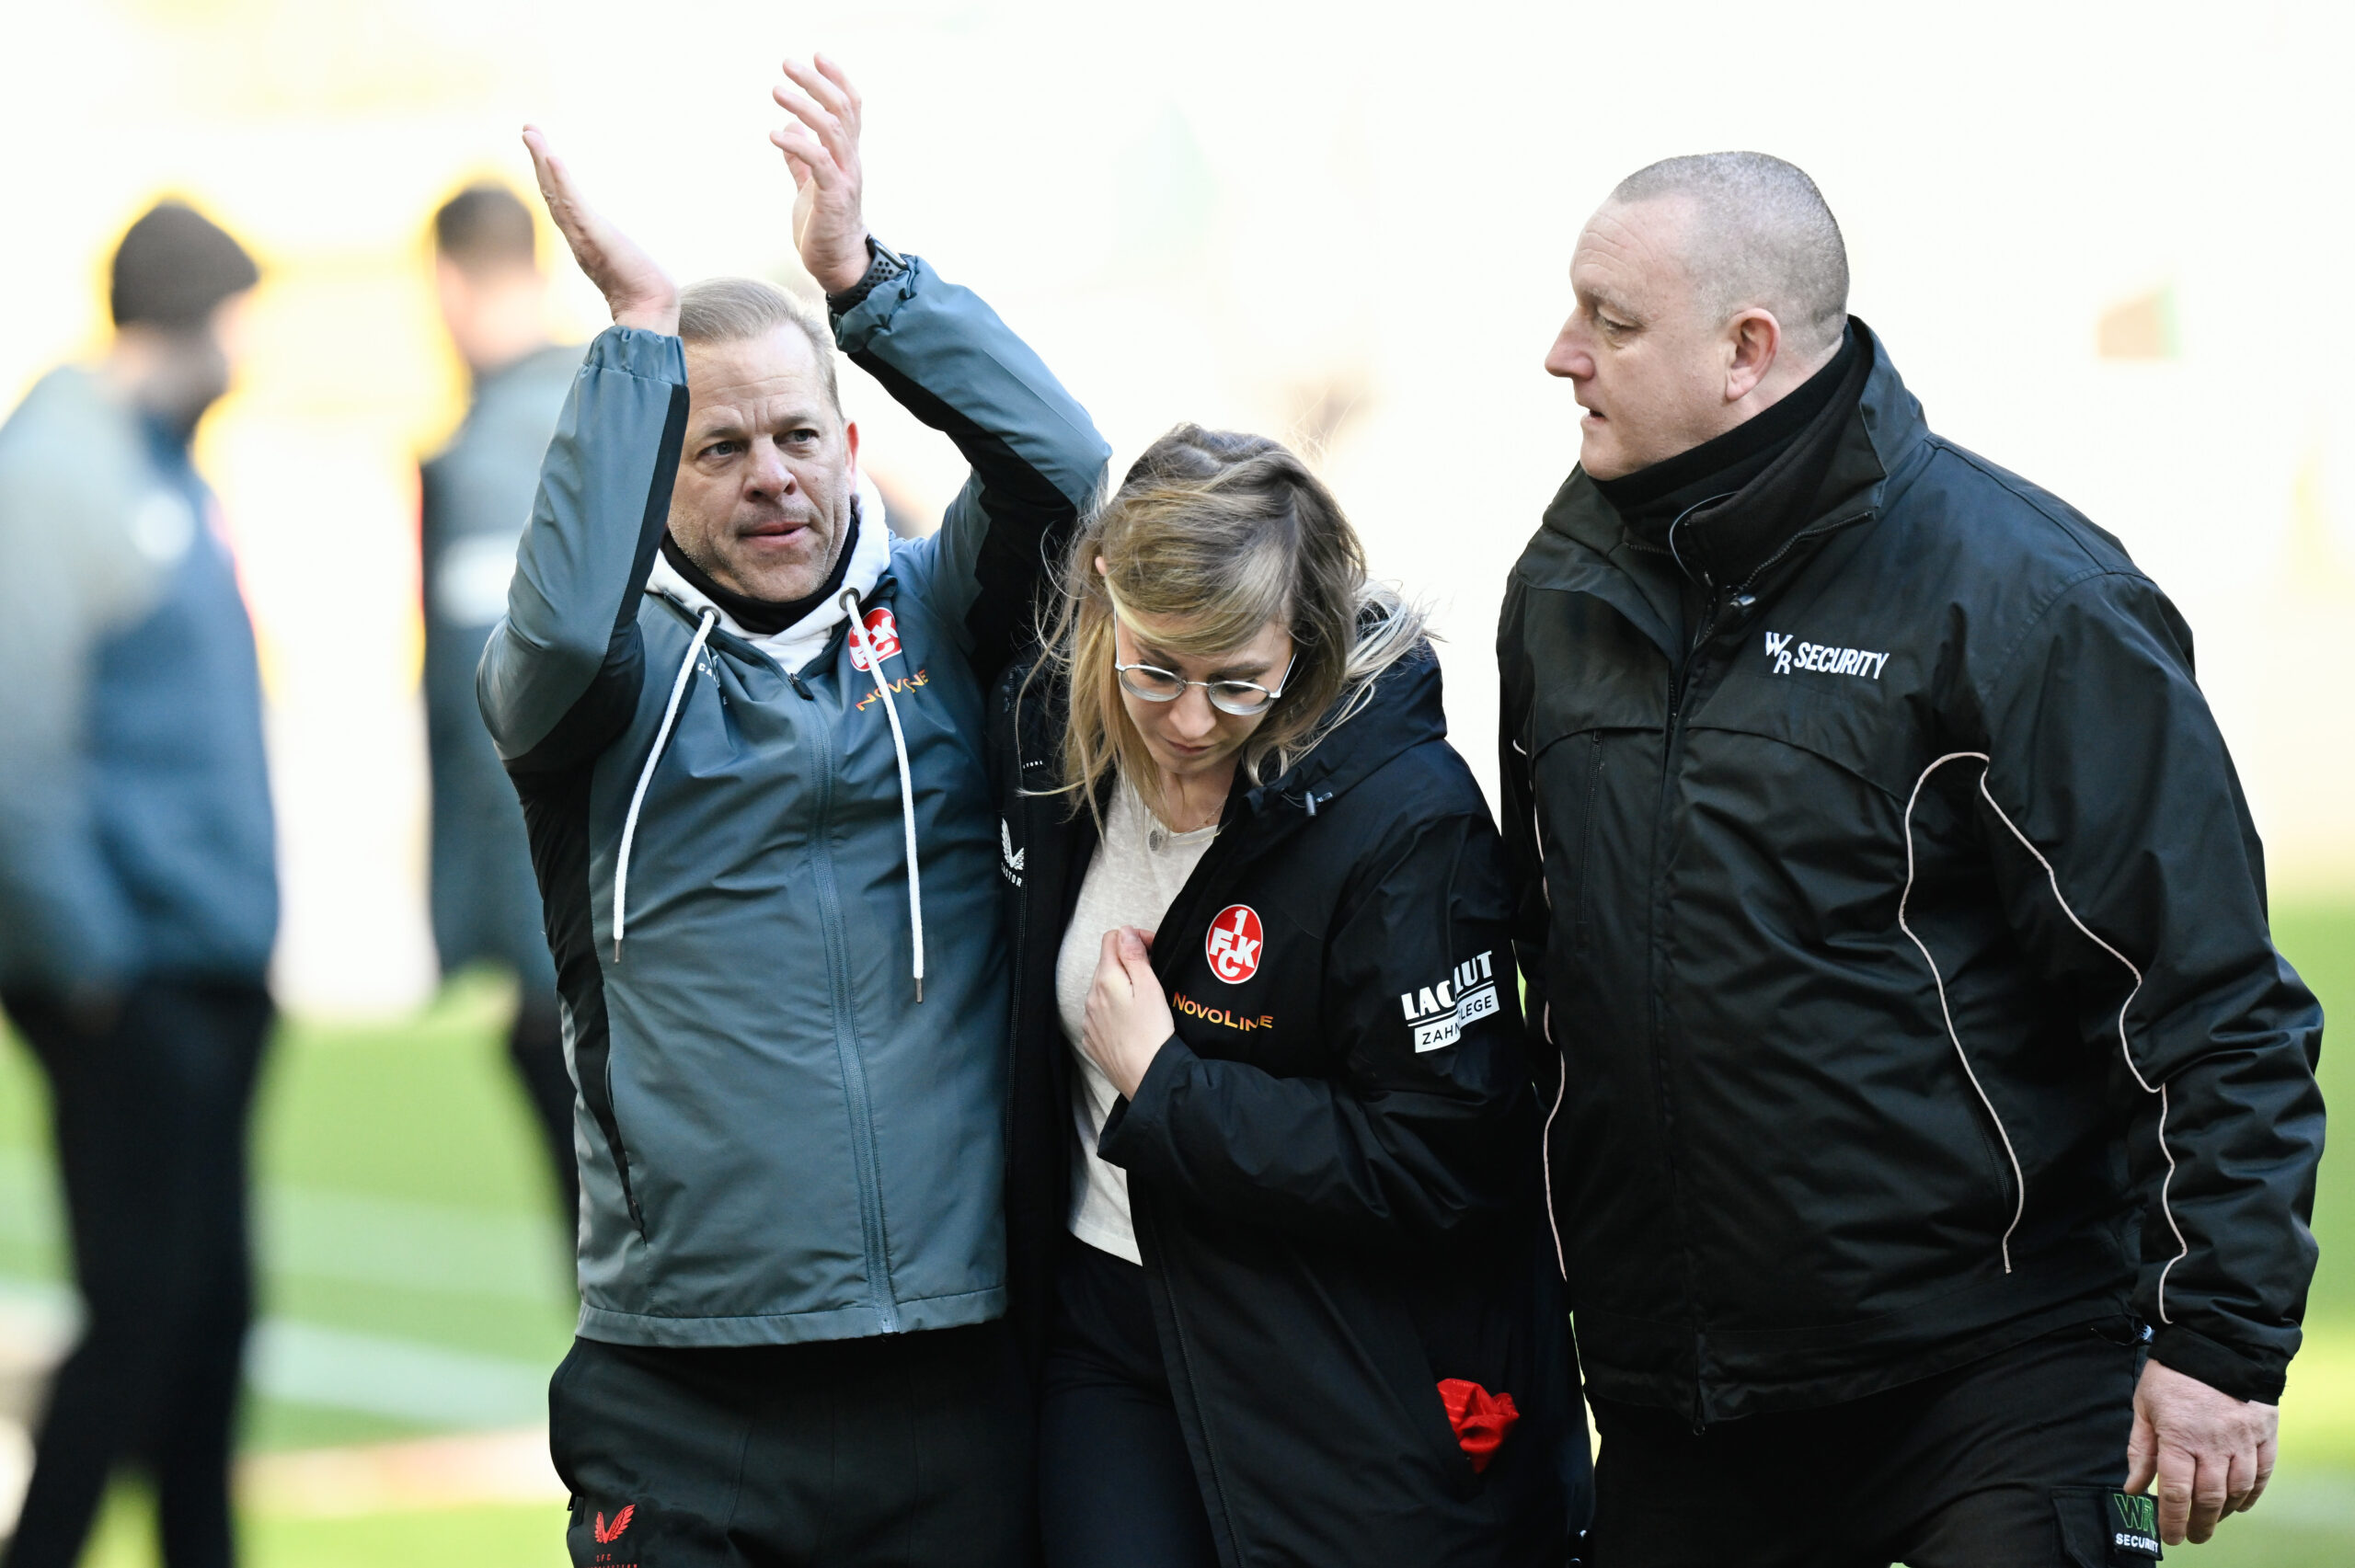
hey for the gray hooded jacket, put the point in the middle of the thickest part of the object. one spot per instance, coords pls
(758, 853)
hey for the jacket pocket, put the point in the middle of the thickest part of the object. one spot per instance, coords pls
(2104, 1527)
(609, 1122)
(1568, 773)
(1457, 1475)
(593, 1061)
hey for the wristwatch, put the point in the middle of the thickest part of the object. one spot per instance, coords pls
(883, 264)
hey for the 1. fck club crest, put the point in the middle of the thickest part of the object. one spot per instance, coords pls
(1234, 944)
(882, 634)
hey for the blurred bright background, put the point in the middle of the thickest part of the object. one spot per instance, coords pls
(2101, 242)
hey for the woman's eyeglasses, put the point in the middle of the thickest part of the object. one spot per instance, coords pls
(1244, 699)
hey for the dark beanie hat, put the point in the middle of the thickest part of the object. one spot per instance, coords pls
(175, 266)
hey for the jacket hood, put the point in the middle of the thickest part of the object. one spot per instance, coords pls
(1398, 710)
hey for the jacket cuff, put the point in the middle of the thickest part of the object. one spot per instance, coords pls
(2227, 1371)
(652, 356)
(883, 264)
(857, 327)
(1149, 1108)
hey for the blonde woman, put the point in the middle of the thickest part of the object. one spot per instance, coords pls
(1280, 1257)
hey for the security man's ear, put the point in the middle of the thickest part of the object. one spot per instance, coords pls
(1757, 339)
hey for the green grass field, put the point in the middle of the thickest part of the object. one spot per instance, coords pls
(415, 1281)
(415, 1278)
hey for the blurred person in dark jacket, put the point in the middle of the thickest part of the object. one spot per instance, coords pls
(138, 884)
(476, 496)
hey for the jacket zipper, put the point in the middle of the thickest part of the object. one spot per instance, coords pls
(1671, 745)
(1680, 688)
(854, 1068)
(1021, 924)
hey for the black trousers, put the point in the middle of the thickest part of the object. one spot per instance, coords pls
(150, 1115)
(897, 1451)
(2004, 1463)
(1116, 1488)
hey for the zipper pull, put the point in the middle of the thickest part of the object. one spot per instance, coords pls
(801, 686)
(1700, 1392)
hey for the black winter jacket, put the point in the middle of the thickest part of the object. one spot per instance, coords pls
(1332, 1165)
(1901, 929)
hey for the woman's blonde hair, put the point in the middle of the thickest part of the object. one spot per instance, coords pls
(1212, 535)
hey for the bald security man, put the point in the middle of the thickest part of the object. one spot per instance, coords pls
(1935, 1143)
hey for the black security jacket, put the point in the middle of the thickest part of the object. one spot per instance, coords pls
(1331, 1220)
(1899, 926)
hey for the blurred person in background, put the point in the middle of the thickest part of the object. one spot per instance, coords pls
(1935, 1142)
(746, 725)
(476, 496)
(138, 885)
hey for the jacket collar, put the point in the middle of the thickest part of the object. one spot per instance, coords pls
(1726, 540)
(1885, 430)
(1401, 711)
(795, 645)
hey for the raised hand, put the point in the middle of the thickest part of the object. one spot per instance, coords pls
(821, 148)
(637, 291)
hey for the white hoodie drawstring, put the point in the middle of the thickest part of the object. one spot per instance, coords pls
(848, 600)
(646, 776)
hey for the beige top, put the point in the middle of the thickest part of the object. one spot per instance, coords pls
(1137, 872)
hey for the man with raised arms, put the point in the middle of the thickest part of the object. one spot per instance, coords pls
(745, 723)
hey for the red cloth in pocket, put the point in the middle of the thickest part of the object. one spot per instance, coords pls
(1480, 1418)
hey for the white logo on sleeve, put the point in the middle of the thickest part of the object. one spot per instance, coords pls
(1438, 1014)
(1010, 859)
(1822, 657)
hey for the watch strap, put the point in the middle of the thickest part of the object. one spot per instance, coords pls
(883, 264)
